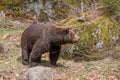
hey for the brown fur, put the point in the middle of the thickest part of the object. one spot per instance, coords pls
(39, 38)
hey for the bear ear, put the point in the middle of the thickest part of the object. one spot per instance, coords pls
(66, 30)
(69, 28)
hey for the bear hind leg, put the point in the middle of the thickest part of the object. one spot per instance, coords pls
(25, 56)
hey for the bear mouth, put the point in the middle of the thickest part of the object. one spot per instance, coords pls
(76, 41)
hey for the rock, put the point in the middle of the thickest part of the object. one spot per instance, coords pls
(48, 9)
(2, 15)
(99, 44)
(38, 73)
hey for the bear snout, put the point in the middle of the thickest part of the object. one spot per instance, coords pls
(76, 38)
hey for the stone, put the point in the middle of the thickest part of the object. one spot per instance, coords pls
(38, 73)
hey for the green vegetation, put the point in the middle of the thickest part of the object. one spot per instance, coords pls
(112, 6)
(7, 27)
(14, 6)
(58, 9)
(94, 37)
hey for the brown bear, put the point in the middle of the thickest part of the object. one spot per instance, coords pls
(41, 38)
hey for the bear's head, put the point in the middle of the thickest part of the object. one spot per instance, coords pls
(69, 36)
(65, 35)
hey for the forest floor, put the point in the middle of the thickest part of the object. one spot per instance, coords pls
(11, 67)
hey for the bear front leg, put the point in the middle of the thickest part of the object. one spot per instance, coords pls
(34, 59)
(25, 56)
(39, 48)
(38, 60)
(54, 55)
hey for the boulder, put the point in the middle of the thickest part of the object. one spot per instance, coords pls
(38, 73)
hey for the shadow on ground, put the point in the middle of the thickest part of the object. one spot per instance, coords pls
(45, 63)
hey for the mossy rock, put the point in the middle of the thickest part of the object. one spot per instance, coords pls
(94, 37)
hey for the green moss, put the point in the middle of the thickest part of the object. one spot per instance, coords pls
(19, 13)
(87, 30)
(96, 36)
(7, 27)
(9, 31)
(2, 8)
